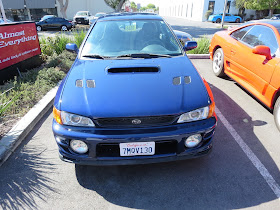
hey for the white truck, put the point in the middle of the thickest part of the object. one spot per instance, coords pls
(82, 17)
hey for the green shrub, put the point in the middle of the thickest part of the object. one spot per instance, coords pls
(28, 90)
(79, 37)
(57, 44)
(208, 13)
(202, 46)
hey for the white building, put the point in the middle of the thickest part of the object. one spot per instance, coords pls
(93, 6)
(196, 9)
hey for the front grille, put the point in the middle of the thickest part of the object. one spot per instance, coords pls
(113, 149)
(136, 121)
(80, 19)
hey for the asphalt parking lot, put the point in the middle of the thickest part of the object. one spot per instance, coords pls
(241, 172)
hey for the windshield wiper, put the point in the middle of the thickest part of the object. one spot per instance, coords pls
(96, 56)
(142, 55)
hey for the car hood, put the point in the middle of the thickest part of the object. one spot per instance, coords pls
(132, 94)
(81, 16)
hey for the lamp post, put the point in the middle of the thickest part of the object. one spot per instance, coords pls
(224, 13)
(3, 11)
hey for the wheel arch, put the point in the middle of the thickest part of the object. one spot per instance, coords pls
(214, 50)
(275, 97)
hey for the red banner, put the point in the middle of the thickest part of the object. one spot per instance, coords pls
(18, 42)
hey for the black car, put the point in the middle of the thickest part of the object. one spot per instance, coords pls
(275, 17)
(54, 23)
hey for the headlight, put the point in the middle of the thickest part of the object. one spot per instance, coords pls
(75, 120)
(198, 114)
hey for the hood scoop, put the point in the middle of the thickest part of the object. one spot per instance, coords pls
(133, 70)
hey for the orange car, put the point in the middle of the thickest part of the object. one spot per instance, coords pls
(250, 55)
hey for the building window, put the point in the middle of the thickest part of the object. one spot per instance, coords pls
(228, 6)
(211, 5)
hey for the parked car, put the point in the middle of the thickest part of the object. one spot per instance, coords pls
(46, 17)
(250, 55)
(132, 96)
(97, 15)
(228, 18)
(54, 23)
(275, 17)
(3, 22)
(82, 17)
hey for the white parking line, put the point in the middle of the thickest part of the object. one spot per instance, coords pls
(254, 159)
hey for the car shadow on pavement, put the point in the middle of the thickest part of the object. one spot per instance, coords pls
(24, 179)
(225, 179)
(197, 32)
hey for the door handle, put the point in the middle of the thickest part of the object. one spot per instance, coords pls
(232, 51)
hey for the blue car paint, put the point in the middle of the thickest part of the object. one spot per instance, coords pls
(138, 94)
(230, 18)
(132, 94)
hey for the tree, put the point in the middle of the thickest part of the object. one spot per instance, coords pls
(263, 4)
(240, 4)
(143, 8)
(115, 4)
(63, 7)
(133, 5)
(151, 6)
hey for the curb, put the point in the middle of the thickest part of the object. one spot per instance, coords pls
(198, 56)
(16, 135)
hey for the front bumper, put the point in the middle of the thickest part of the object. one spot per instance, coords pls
(81, 21)
(94, 137)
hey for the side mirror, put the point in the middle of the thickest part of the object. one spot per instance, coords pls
(72, 47)
(183, 36)
(190, 45)
(262, 50)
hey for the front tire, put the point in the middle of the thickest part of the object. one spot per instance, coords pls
(218, 63)
(39, 28)
(218, 20)
(237, 20)
(64, 28)
(276, 113)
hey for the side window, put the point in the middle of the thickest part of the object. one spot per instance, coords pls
(50, 20)
(240, 33)
(261, 35)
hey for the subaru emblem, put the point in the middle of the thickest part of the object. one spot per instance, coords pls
(136, 121)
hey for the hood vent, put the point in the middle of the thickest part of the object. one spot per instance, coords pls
(133, 70)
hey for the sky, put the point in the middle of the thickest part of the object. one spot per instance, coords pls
(146, 2)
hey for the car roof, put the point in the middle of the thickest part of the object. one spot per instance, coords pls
(129, 16)
(275, 23)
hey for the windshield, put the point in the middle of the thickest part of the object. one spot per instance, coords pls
(46, 17)
(125, 37)
(81, 14)
(99, 14)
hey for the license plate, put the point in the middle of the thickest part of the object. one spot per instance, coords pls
(137, 148)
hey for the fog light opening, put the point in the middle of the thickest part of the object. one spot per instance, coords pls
(193, 141)
(79, 146)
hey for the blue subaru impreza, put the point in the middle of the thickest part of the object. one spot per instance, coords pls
(132, 96)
